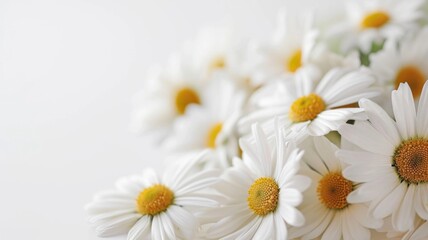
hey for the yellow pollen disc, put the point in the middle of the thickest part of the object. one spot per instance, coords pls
(411, 160)
(333, 189)
(306, 108)
(212, 135)
(184, 97)
(294, 62)
(218, 63)
(154, 199)
(375, 20)
(263, 196)
(414, 77)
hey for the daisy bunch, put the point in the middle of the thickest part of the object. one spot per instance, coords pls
(319, 132)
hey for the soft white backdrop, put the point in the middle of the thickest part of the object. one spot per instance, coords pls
(68, 70)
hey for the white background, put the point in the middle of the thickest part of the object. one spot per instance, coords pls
(68, 73)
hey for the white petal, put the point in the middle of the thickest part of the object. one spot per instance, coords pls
(406, 212)
(280, 227)
(141, 229)
(422, 115)
(334, 230)
(391, 202)
(265, 230)
(404, 110)
(366, 137)
(185, 222)
(327, 150)
(291, 215)
(290, 197)
(381, 121)
(116, 226)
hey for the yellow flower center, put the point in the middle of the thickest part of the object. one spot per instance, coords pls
(212, 135)
(218, 63)
(184, 97)
(263, 196)
(306, 108)
(295, 61)
(414, 77)
(154, 199)
(333, 189)
(375, 19)
(411, 160)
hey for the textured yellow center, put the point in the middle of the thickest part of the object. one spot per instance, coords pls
(413, 76)
(306, 108)
(184, 97)
(294, 62)
(263, 196)
(212, 135)
(375, 20)
(154, 199)
(411, 160)
(218, 63)
(333, 189)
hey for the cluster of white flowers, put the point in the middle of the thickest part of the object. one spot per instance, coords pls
(320, 133)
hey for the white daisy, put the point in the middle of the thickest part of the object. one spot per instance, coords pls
(166, 96)
(211, 126)
(392, 166)
(220, 51)
(328, 214)
(259, 194)
(405, 62)
(376, 20)
(148, 206)
(288, 51)
(308, 108)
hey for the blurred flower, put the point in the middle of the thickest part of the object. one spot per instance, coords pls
(406, 61)
(211, 126)
(287, 52)
(392, 166)
(166, 96)
(259, 194)
(376, 20)
(145, 206)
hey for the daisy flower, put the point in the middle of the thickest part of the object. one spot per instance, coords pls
(376, 20)
(148, 206)
(259, 194)
(211, 126)
(219, 51)
(166, 96)
(305, 107)
(287, 52)
(407, 62)
(392, 165)
(328, 213)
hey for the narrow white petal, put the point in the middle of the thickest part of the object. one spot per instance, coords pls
(422, 115)
(141, 229)
(391, 202)
(265, 230)
(327, 151)
(185, 222)
(334, 230)
(406, 212)
(404, 110)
